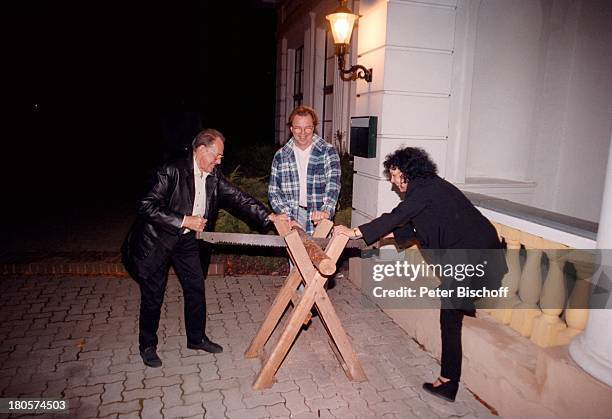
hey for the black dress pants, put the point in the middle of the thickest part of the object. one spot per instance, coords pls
(451, 322)
(185, 259)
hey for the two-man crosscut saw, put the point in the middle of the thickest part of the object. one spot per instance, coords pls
(264, 240)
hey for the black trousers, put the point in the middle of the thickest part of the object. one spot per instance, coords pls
(451, 322)
(185, 258)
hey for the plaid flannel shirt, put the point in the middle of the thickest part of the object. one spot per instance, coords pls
(323, 180)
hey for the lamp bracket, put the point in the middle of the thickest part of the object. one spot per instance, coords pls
(354, 72)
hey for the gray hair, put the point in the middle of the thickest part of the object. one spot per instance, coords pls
(206, 137)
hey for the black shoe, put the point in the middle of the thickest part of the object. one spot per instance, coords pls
(150, 358)
(469, 312)
(206, 345)
(446, 391)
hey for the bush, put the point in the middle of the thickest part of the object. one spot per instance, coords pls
(346, 183)
(255, 186)
(255, 161)
(240, 264)
(343, 217)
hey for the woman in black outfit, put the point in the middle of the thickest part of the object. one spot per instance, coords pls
(438, 216)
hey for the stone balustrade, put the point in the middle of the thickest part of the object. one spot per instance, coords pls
(537, 305)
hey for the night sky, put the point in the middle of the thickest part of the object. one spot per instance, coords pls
(88, 88)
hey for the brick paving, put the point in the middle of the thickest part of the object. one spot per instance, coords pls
(75, 338)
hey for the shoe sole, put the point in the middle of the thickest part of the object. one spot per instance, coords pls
(202, 349)
(148, 364)
(448, 399)
(152, 364)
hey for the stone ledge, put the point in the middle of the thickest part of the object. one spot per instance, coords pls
(565, 223)
(80, 268)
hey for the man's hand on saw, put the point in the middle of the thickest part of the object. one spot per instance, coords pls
(278, 217)
(317, 216)
(294, 224)
(194, 222)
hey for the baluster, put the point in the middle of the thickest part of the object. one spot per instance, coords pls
(547, 327)
(530, 286)
(487, 304)
(504, 306)
(577, 312)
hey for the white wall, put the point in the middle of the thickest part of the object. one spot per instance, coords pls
(541, 104)
(575, 109)
(504, 88)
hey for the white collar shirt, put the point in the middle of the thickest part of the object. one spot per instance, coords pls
(199, 200)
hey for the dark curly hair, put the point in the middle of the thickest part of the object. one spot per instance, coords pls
(414, 163)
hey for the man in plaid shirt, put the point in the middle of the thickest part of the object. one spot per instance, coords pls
(305, 175)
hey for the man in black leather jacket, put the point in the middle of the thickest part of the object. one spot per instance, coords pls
(185, 198)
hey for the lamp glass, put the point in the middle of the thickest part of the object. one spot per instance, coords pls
(341, 26)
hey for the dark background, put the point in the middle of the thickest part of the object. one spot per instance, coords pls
(91, 90)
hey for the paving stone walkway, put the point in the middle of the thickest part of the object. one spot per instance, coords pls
(75, 338)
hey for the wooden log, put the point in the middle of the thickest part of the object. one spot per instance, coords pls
(318, 257)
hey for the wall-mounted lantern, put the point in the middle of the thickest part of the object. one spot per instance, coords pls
(341, 22)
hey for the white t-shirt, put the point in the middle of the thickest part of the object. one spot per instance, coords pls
(302, 157)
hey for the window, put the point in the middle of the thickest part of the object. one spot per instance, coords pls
(328, 90)
(298, 77)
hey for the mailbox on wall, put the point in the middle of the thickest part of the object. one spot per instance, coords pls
(363, 136)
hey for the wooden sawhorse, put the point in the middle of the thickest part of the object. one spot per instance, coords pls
(314, 294)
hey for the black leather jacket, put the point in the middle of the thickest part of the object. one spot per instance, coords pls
(160, 214)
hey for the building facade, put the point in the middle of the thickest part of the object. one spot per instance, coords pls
(307, 71)
(511, 98)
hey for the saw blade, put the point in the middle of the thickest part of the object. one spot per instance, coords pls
(264, 240)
